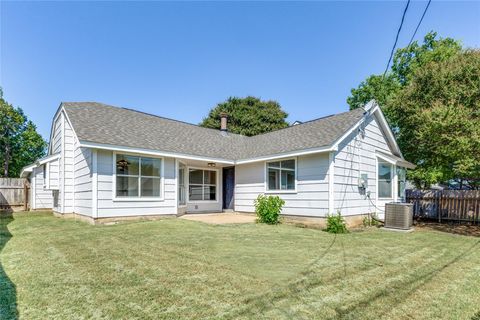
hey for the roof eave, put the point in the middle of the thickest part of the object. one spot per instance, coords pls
(27, 170)
(295, 153)
(118, 148)
(395, 160)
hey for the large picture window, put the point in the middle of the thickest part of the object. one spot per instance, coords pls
(384, 180)
(137, 176)
(202, 185)
(281, 175)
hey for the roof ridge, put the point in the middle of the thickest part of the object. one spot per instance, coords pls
(179, 121)
(150, 114)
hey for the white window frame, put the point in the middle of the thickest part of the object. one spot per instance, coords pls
(392, 168)
(268, 191)
(139, 198)
(217, 190)
(400, 196)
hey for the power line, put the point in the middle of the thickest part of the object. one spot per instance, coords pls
(396, 38)
(420, 22)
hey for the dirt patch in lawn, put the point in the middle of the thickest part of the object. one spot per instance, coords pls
(463, 229)
(220, 218)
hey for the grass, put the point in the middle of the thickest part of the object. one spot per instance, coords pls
(170, 269)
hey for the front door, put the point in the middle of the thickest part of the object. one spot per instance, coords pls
(228, 187)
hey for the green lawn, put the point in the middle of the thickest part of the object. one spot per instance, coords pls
(54, 268)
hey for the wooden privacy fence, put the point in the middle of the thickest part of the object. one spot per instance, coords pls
(445, 205)
(13, 193)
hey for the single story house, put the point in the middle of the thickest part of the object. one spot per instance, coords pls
(107, 163)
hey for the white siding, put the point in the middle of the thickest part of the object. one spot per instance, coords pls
(68, 167)
(107, 207)
(249, 183)
(53, 174)
(57, 147)
(57, 135)
(83, 181)
(356, 155)
(41, 198)
(310, 198)
(62, 171)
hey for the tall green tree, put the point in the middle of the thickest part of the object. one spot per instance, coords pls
(432, 120)
(384, 89)
(247, 116)
(438, 112)
(20, 143)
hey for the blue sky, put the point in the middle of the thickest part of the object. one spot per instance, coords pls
(178, 59)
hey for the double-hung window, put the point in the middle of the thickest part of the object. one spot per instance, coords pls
(202, 185)
(281, 175)
(385, 180)
(138, 177)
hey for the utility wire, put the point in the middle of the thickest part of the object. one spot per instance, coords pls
(396, 38)
(419, 23)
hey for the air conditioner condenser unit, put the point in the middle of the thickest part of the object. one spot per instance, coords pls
(399, 215)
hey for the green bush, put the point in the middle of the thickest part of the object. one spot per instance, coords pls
(268, 208)
(336, 224)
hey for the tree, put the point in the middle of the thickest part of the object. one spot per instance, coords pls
(405, 62)
(424, 122)
(438, 113)
(20, 144)
(382, 89)
(247, 116)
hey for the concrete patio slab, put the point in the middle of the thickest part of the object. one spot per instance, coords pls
(220, 218)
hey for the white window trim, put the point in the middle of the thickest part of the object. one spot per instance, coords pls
(139, 198)
(395, 183)
(400, 197)
(217, 191)
(46, 180)
(265, 167)
(178, 184)
(392, 166)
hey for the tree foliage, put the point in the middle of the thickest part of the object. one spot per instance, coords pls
(439, 115)
(247, 116)
(20, 144)
(430, 98)
(405, 62)
(382, 89)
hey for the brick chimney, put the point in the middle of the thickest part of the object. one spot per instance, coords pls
(223, 122)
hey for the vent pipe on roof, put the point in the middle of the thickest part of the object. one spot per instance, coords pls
(223, 121)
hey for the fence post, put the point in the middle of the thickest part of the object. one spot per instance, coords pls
(25, 196)
(439, 212)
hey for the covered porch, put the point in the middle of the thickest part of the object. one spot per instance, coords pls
(204, 187)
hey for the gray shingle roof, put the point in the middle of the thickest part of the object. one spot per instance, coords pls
(317, 133)
(104, 124)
